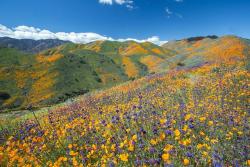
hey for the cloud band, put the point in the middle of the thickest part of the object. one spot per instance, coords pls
(26, 32)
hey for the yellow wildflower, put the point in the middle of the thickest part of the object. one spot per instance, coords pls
(210, 123)
(163, 121)
(72, 153)
(134, 138)
(121, 145)
(187, 117)
(202, 119)
(199, 146)
(185, 128)
(177, 133)
(124, 157)
(240, 133)
(214, 141)
(162, 136)
(70, 146)
(113, 147)
(165, 157)
(168, 147)
(202, 133)
(153, 142)
(185, 162)
(204, 153)
(131, 148)
(248, 162)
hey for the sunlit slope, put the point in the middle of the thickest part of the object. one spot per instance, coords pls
(196, 52)
(69, 70)
(137, 59)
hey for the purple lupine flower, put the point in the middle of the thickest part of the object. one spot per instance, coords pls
(190, 125)
(111, 164)
(217, 164)
(168, 132)
(189, 154)
(152, 161)
(152, 150)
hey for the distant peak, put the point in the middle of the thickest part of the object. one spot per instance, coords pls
(198, 38)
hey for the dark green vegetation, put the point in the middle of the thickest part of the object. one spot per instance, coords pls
(58, 73)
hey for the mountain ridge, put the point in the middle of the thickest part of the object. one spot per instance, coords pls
(30, 45)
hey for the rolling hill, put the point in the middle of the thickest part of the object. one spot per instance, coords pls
(57, 74)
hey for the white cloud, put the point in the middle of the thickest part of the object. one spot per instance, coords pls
(25, 32)
(120, 2)
(127, 3)
(4, 31)
(109, 2)
(155, 39)
(170, 13)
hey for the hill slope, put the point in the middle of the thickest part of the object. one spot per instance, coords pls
(194, 52)
(68, 70)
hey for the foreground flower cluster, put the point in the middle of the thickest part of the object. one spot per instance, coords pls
(195, 117)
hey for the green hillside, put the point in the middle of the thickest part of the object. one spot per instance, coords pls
(12, 92)
(59, 73)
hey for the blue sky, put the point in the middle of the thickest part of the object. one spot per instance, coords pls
(140, 19)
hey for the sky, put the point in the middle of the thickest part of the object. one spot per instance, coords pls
(157, 21)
